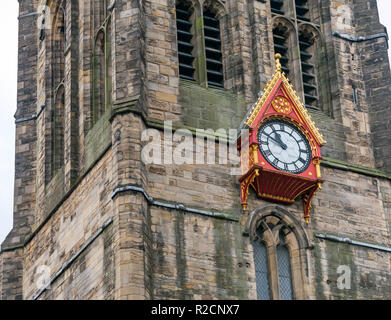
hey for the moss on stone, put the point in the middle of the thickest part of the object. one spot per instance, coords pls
(210, 108)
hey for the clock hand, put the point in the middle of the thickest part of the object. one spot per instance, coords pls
(282, 144)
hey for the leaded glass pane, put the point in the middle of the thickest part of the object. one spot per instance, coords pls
(284, 273)
(261, 271)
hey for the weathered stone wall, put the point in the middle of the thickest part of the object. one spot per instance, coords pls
(198, 257)
(348, 203)
(153, 248)
(68, 229)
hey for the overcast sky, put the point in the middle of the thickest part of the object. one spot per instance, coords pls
(8, 84)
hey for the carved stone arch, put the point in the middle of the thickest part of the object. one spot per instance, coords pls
(55, 59)
(59, 90)
(265, 224)
(216, 6)
(285, 24)
(274, 215)
(54, 6)
(311, 32)
(101, 32)
(190, 3)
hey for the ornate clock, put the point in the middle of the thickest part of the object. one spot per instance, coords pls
(283, 154)
(284, 146)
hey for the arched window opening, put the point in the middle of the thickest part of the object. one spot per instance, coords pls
(99, 12)
(284, 269)
(214, 57)
(298, 34)
(99, 76)
(278, 242)
(185, 37)
(200, 55)
(102, 60)
(58, 47)
(57, 89)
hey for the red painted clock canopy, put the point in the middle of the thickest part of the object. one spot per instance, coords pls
(279, 101)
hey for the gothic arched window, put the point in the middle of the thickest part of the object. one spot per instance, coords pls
(58, 46)
(58, 43)
(301, 49)
(278, 250)
(102, 68)
(199, 43)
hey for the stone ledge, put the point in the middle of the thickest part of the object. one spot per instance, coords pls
(132, 106)
(342, 165)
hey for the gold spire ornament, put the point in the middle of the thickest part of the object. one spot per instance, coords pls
(278, 63)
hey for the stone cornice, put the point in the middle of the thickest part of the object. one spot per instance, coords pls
(132, 106)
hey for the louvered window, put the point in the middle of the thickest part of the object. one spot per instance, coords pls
(302, 10)
(185, 46)
(284, 44)
(277, 6)
(280, 46)
(214, 64)
(199, 50)
(308, 73)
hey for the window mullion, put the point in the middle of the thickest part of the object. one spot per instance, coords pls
(199, 48)
(273, 269)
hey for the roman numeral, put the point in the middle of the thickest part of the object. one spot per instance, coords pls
(268, 153)
(285, 167)
(282, 127)
(304, 151)
(302, 160)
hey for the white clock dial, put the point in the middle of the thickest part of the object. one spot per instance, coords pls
(284, 146)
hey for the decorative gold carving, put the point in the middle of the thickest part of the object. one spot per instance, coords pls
(245, 184)
(307, 199)
(316, 162)
(282, 199)
(278, 63)
(292, 93)
(282, 105)
(255, 153)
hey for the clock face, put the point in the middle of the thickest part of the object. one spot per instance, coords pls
(284, 146)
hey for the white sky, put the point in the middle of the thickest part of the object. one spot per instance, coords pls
(8, 84)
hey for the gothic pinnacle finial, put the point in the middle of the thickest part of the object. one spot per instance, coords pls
(278, 64)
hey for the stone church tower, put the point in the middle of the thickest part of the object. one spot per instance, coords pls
(94, 220)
